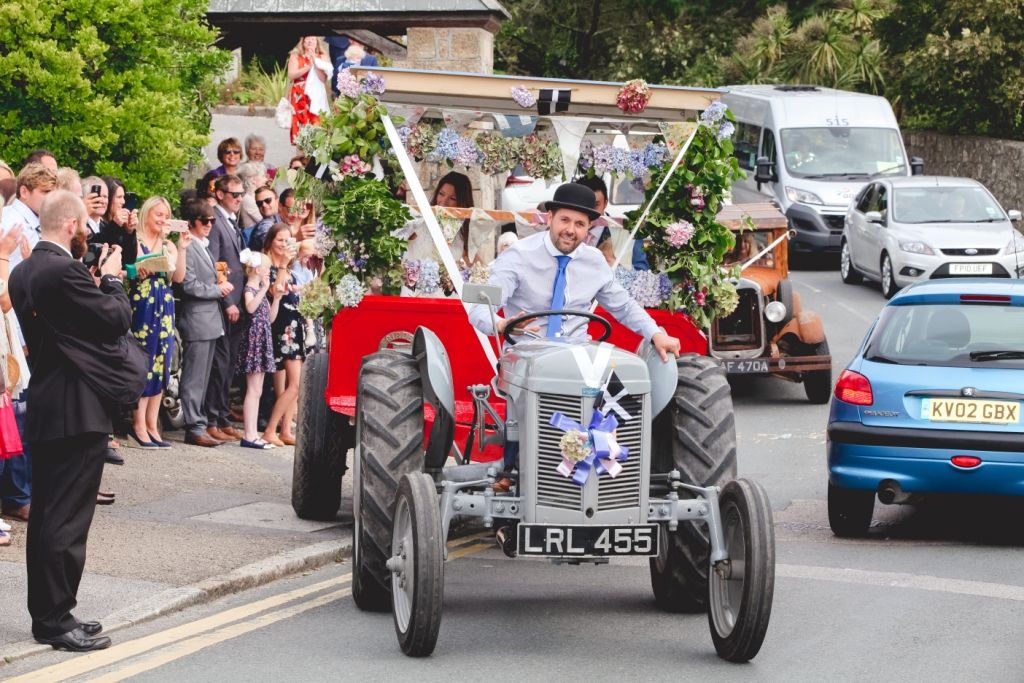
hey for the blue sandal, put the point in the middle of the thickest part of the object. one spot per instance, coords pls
(258, 444)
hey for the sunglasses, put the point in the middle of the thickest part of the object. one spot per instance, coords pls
(265, 202)
(205, 221)
(232, 151)
(236, 195)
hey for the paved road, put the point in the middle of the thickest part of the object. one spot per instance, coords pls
(934, 593)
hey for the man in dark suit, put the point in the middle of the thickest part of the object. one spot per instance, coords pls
(200, 322)
(67, 422)
(226, 244)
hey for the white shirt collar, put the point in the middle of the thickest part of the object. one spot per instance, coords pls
(220, 208)
(31, 219)
(63, 248)
(553, 250)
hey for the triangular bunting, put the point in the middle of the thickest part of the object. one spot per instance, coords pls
(570, 132)
(515, 126)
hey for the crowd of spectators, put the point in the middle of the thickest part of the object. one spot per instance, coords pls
(223, 283)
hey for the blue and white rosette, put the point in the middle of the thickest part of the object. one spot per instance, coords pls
(593, 448)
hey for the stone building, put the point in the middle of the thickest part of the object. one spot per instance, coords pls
(448, 35)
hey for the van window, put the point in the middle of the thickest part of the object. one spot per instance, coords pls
(839, 152)
(744, 144)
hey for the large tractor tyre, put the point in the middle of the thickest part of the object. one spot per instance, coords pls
(696, 435)
(818, 383)
(322, 441)
(389, 425)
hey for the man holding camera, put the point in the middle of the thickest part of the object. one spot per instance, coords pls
(56, 296)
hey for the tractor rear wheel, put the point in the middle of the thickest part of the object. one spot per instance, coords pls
(695, 434)
(389, 444)
(321, 443)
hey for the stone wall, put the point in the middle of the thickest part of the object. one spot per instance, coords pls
(469, 50)
(997, 164)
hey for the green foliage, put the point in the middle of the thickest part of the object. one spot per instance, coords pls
(835, 48)
(959, 65)
(120, 87)
(700, 286)
(257, 86)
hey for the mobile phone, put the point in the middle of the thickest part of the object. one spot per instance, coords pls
(95, 189)
(131, 201)
(175, 225)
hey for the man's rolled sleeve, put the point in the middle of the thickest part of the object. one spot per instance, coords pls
(626, 310)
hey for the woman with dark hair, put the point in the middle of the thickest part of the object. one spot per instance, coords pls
(229, 154)
(119, 223)
(288, 331)
(453, 191)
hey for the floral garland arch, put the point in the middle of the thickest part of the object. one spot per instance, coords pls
(361, 219)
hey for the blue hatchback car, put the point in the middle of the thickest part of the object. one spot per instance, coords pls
(932, 401)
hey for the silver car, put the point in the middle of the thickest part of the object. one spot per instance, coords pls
(903, 230)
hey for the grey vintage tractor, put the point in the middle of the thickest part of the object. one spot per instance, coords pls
(618, 456)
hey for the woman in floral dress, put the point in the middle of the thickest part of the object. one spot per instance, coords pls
(289, 335)
(153, 316)
(310, 69)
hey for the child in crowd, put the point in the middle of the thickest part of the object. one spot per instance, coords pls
(256, 355)
(506, 240)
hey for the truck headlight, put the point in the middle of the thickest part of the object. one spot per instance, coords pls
(802, 196)
(775, 311)
(915, 247)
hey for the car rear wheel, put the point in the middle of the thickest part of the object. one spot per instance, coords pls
(849, 511)
(888, 279)
(850, 275)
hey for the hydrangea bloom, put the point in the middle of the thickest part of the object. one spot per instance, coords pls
(523, 97)
(373, 84)
(726, 130)
(447, 146)
(467, 153)
(679, 233)
(714, 113)
(411, 273)
(323, 242)
(349, 291)
(348, 84)
(430, 277)
(646, 289)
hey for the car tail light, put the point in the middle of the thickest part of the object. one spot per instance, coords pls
(514, 180)
(854, 388)
(965, 461)
(985, 298)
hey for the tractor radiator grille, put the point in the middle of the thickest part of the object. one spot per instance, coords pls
(553, 489)
(624, 490)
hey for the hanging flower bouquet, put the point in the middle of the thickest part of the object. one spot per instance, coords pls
(358, 212)
(682, 238)
(633, 96)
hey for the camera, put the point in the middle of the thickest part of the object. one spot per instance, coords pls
(91, 258)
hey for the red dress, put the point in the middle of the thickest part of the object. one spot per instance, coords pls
(300, 100)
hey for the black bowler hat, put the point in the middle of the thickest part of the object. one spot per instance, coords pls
(576, 197)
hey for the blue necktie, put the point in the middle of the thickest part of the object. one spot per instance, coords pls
(558, 297)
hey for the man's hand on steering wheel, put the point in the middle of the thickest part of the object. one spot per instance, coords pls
(520, 329)
(515, 325)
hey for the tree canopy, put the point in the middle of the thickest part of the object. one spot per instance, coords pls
(118, 87)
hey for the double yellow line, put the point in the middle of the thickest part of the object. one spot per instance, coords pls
(182, 641)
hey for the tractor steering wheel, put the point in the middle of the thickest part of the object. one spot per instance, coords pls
(512, 324)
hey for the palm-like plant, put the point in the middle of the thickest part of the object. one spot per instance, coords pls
(819, 50)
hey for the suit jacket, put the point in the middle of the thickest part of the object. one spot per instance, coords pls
(53, 289)
(226, 245)
(199, 314)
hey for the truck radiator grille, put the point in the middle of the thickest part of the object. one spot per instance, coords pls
(624, 490)
(553, 489)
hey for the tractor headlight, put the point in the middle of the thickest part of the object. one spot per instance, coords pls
(775, 311)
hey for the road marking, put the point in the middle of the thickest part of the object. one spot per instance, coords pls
(203, 641)
(865, 577)
(480, 546)
(95, 660)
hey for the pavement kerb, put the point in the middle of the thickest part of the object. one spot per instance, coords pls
(175, 599)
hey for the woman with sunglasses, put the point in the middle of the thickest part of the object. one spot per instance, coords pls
(229, 153)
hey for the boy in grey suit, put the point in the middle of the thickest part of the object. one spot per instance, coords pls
(200, 322)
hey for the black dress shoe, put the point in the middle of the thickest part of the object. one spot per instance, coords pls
(76, 640)
(113, 457)
(91, 628)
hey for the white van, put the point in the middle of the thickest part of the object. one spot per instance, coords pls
(811, 150)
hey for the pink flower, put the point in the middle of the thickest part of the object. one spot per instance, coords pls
(700, 297)
(679, 233)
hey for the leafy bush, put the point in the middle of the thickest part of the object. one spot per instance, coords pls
(111, 87)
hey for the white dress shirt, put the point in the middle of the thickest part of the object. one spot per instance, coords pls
(526, 274)
(18, 212)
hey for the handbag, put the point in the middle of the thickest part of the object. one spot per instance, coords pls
(10, 440)
(283, 114)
